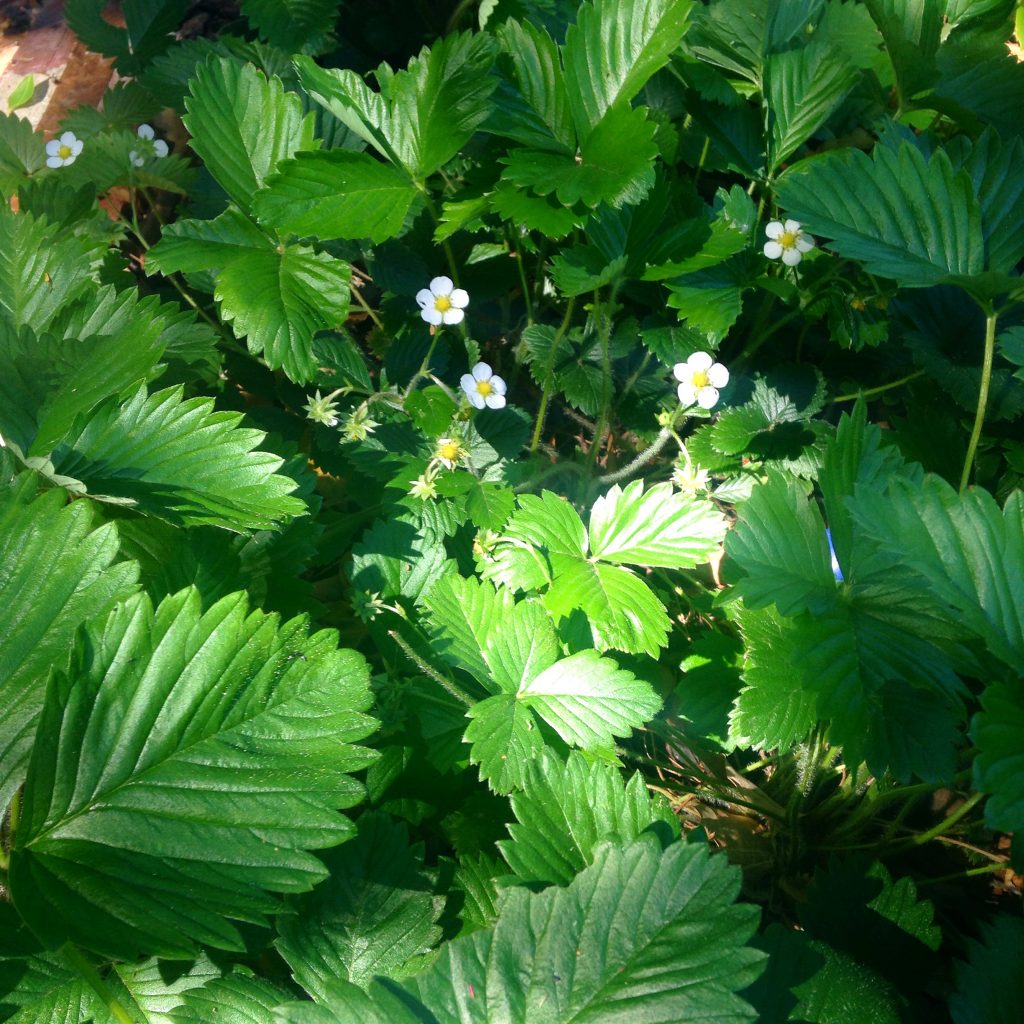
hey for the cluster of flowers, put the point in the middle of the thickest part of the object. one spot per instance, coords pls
(64, 150)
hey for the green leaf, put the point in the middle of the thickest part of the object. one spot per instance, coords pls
(588, 700)
(504, 739)
(157, 988)
(911, 31)
(640, 935)
(238, 998)
(522, 646)
(180, 461)
(657, 527)
(612, 51)
(243, 124)
(997, 730)
(45, 989)
(964, 547)
(710, 301)
(464, 614)
(989, 987)
(336, 194)
(615, 164)
(275, 296)
(145, 744)
(779, 542)
(803, 87)
(568, 808)
(584, 269)
(423, 115)
(489, 505)
(147, 31)
(56, 572)
(22, 151)
(535, 213)
(291, 24)
(394, 558)
(374, 913)
(22, 93)
(915, 220)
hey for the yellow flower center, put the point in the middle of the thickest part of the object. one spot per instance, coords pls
(483, 387)
(700, 379)
(442, 303)
(449, 452)
(64, 152)
(788, 239)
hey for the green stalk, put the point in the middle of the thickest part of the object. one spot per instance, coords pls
(428, 670)
(603, 337)
(549, 367)
(424, 369)
(517, 256)
(364, 305)
(854, 395)
(89, 973)
(986, 377)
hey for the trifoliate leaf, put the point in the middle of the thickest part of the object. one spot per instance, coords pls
(56, 572)
(568, 808)
(132, 796)
(374, 913)
(148, 30)
(243, 124)
(291, 24)
(336, 194)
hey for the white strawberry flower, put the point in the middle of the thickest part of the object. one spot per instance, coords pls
(787, 241)
(145, 131)
(701, 378)
(62, 152)
(483, 388)
(442, 302)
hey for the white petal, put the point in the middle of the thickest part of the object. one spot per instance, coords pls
(718, 376)
(146, 131)
(482, 371)
(707, 397)
(52, 146)
(687, 393)
(68, 139)
(498, 386)
(459, 298)
(432, 316)
(160, 148)
(699, 362)
(441, 286)
(477, 400)
(681, 371)
(805, 243)
(495, 401)
(70, 160)
(468, 384)
(454, 316)
(791, 257)
(793, 226)
(774, 229)
(54, 161)
(425, 297)
(76, 147)
(136, 160)
(772, 250)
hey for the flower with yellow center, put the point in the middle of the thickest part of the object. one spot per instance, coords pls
(483, 388)
(442, 302)
(63, 151)
(787, 241)
(700, 378)
(449, 452)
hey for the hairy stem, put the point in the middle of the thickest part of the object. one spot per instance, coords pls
(364, 305)
(429, 670)
(979, 416)
(647, 455)
(549, 367)
(88, 972)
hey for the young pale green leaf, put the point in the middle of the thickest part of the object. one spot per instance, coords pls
(964, 546)
(803, 87)
(374, 913)
(522, 645)
(56, 572)
(243, 124)
(615, 164)
(658, 527)
(989, 987)
(149, 25)
(614, 49)
(589, 701)
(997, 730)
(903, 216)
(423, 115)
(568, 808)
(336, 194)
(238, 998)
(147, 745)
(291, 24)
(780, 544)
(181, 461)
(641, 935)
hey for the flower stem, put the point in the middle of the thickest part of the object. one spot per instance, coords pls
(986, 376)
(364, 305)
(518, 257)
(867, 392)
(549, 367)
(89, 973)
(647, 455)
(428, 670)
(424, 369)
(603, 336)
